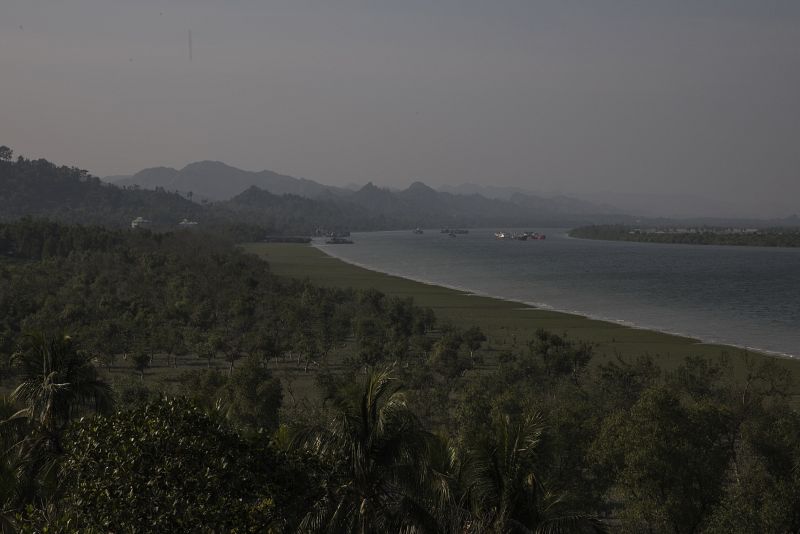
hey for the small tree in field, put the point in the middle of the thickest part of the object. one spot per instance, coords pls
(141, 361)
(473, 339)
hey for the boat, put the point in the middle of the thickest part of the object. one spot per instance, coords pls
(417, 231)
(534, 236)
(338, 241)
(524, 236)
(452, 234)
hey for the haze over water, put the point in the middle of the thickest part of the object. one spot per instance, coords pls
(744, 296)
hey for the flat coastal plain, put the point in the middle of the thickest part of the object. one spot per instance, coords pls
(508, 325)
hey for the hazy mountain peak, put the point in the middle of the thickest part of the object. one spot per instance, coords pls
(159, 168)
(210, 165)
(419, 187)
(253, 189)
(369, 186)
(217, 180)
(254, 197)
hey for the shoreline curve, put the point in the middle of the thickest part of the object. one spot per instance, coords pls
(531, 305)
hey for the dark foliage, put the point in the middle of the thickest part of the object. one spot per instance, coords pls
(542, 439)
(170, 467)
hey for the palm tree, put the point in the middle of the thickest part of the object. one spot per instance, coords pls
(9, 437)
(505, 493)
(446, 488)
(377, 450)
(58, 383)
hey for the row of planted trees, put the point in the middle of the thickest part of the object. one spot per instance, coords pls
(140, 299)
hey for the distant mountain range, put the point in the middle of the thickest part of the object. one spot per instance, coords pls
(419, 204)
(215, 180)
(39, 188)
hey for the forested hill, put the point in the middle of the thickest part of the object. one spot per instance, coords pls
(39, 188)
(301, 215)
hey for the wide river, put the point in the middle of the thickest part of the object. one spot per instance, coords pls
(744, 296)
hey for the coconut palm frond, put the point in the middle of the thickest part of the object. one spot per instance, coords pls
(58, 383)
(377, 448)
(504, 489)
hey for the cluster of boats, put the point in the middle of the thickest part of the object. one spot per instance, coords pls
(335, 238)
(338, 241)
(452, 232)
(524, 236)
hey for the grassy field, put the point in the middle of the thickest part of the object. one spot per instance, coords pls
(506, 324)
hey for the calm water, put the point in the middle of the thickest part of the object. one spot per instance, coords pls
(745, 296)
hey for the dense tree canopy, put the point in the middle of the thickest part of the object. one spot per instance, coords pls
(152, 384)
(175, 468)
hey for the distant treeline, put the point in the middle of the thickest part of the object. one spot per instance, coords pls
(768, 237)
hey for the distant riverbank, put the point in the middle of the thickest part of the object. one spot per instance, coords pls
(507, 323)
(745, 237)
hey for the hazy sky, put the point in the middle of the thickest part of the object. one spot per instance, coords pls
(678, 96)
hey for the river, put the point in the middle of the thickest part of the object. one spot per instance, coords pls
(743, 296)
